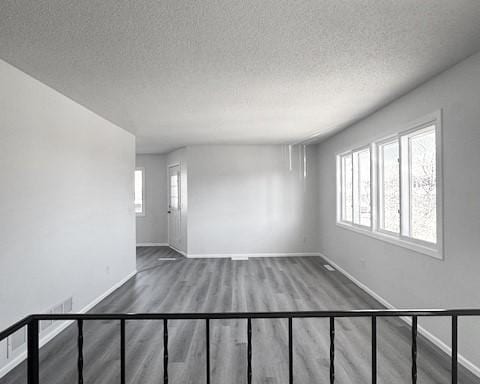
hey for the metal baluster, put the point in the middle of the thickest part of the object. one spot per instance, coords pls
(165, 351)
(414, 349)
(80, 351)
(290, 350)
(249, 351)
(207, 341)
(332, 350)
(33, 375)
(122, 351)
(454, 349)
(374, 350)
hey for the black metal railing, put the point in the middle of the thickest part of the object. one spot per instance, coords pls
(32, 324)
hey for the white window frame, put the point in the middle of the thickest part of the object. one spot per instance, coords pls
(430, 249)
(178, 175)
(141, 214)
(340, 176)
(379, 180)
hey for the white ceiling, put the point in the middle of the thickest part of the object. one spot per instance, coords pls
(180, 72)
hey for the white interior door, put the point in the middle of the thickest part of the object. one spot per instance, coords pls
(174, 207)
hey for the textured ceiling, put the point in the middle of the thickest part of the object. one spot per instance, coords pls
(178, 72)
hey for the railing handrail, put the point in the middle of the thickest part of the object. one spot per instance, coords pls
(32, 322)
(15, 327)
(241, 315)
(260, 315)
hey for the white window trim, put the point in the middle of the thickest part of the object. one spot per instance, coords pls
(434, 250)
(141, 214)
(339, 187)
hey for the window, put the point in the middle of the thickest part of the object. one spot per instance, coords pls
(405, 185)
(140, 191)
(389, 186)
(347, 188)
(174, 191)
(419, 217)
(356, 187)
(362, 188)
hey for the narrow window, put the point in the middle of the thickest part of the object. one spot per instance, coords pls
(139, 192)
(361, 188)
(420, 187)
(389, 186)
(347, 187)
(356, 187)
(174, 191)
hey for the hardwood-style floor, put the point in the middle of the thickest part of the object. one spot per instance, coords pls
(223, 285)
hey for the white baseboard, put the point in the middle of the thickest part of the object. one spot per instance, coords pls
(248, 255)
(52, 334)
(424, 332)
(93, 303)
(183, 253)
(148, 244)
(228, 255)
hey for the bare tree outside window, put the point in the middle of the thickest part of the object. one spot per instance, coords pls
(347, 188)
(406, 188)
(423, 187)
(390, 187)
(364, 188)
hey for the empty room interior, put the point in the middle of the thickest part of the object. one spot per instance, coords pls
(240, 192)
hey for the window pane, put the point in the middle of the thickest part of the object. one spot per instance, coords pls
(347, 188)
(355, 197)
(138, 191)
(174, 191)
(423, 186)
(364, 187)
(361, 187)
(390, 187)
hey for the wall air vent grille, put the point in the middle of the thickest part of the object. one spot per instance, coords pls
(18, 339)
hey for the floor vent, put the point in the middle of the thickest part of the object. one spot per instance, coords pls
(328, 267)
(166, 258)
(241, 257)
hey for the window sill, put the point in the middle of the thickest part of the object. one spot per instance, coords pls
(432, 252)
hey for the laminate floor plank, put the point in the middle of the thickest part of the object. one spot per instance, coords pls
(224, 285)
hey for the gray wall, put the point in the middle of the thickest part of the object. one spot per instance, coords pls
(403, 277)
(243, 199)
(153, 227)
(67, 222)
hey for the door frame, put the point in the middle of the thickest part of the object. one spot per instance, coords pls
(179, 201)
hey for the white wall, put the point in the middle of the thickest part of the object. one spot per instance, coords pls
(179, 157)
(67, 222)
(153, 227)
(405, 278)
(243, 199)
